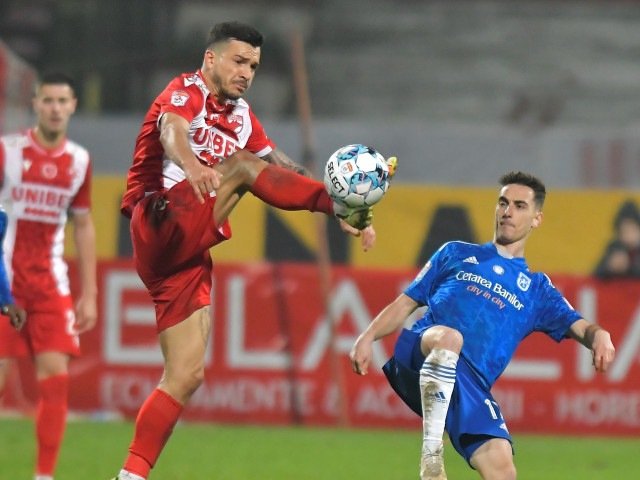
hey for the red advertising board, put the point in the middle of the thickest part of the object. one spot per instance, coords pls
(271, 360)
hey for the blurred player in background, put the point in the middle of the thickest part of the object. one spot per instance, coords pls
(42, 176)
(482, 301)
(184, 183)
(8, 307)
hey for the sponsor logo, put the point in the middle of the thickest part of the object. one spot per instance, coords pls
(347, 167)
(179, 98)
(438, 397)
(40, 196)
(26, 165)
(523, 282)
(471, 259)
(498, 269)
(210, 145)
(496, 288)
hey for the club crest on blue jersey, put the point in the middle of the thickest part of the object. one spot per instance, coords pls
(523, 282)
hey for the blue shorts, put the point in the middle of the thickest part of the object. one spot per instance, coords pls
(473, 417)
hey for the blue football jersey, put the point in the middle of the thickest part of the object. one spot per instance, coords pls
(5, 290)
(492, 299)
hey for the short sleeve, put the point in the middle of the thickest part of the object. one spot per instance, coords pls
(82, 199)
(184, 100)
(421, 286)
(258, 141)
(557, 314)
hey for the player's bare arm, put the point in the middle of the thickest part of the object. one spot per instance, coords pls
(597, 339)
(390, 319)
(84, 237)
(278, 157)
(174, 135)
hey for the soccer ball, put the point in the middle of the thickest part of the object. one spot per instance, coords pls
(356, 176)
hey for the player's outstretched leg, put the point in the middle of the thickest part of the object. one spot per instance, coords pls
(278, 187)
(437, 379)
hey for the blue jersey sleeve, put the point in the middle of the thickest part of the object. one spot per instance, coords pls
(557, 314)
(420, 288)
(5, 289)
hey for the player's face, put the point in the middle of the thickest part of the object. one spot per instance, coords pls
(516, 214)
(233, 66)
(53, 105)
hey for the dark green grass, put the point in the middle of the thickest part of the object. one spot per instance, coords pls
(96, 451)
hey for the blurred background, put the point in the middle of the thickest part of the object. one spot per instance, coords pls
(460, 91)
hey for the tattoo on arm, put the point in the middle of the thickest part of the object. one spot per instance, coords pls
(277, 157)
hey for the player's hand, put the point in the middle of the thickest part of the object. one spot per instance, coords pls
(361, 355)
(202, 179)
(368, 234)
(17, 316)
(86, 313)
(392, 163)
(602, 350)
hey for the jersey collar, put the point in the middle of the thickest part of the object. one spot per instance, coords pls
(44, 150)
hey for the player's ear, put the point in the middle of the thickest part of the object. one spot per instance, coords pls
(537, 220)
(209, 56)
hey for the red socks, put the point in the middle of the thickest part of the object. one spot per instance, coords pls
(287, 190)
(154, 425)
(50, 421)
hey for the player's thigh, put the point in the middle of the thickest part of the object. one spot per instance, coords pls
(184, 345)
(494, 460)
(49, 364)
(5, 369)
(239, 171)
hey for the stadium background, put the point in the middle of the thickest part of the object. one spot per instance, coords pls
(460, 91)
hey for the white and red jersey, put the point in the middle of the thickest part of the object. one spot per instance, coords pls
(37, 188)
(215, 132)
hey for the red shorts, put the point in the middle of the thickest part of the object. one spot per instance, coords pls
(50, 327)
(172, 233)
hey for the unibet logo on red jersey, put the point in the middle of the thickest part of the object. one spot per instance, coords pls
(40, 202)
(209, 144)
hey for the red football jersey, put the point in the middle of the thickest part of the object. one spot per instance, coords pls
(38, 187)
(215, 132)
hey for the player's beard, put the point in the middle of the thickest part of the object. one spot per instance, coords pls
(229, 95)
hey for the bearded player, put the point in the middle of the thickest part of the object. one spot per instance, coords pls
(199, 151)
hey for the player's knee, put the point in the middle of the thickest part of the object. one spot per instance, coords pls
(442, 337)
(243, 167)
(181, 385)
(494, 460)
(452, 340)
(192, 381)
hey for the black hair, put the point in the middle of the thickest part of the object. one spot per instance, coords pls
(226, 31)
(56, 78)
(528, 180)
